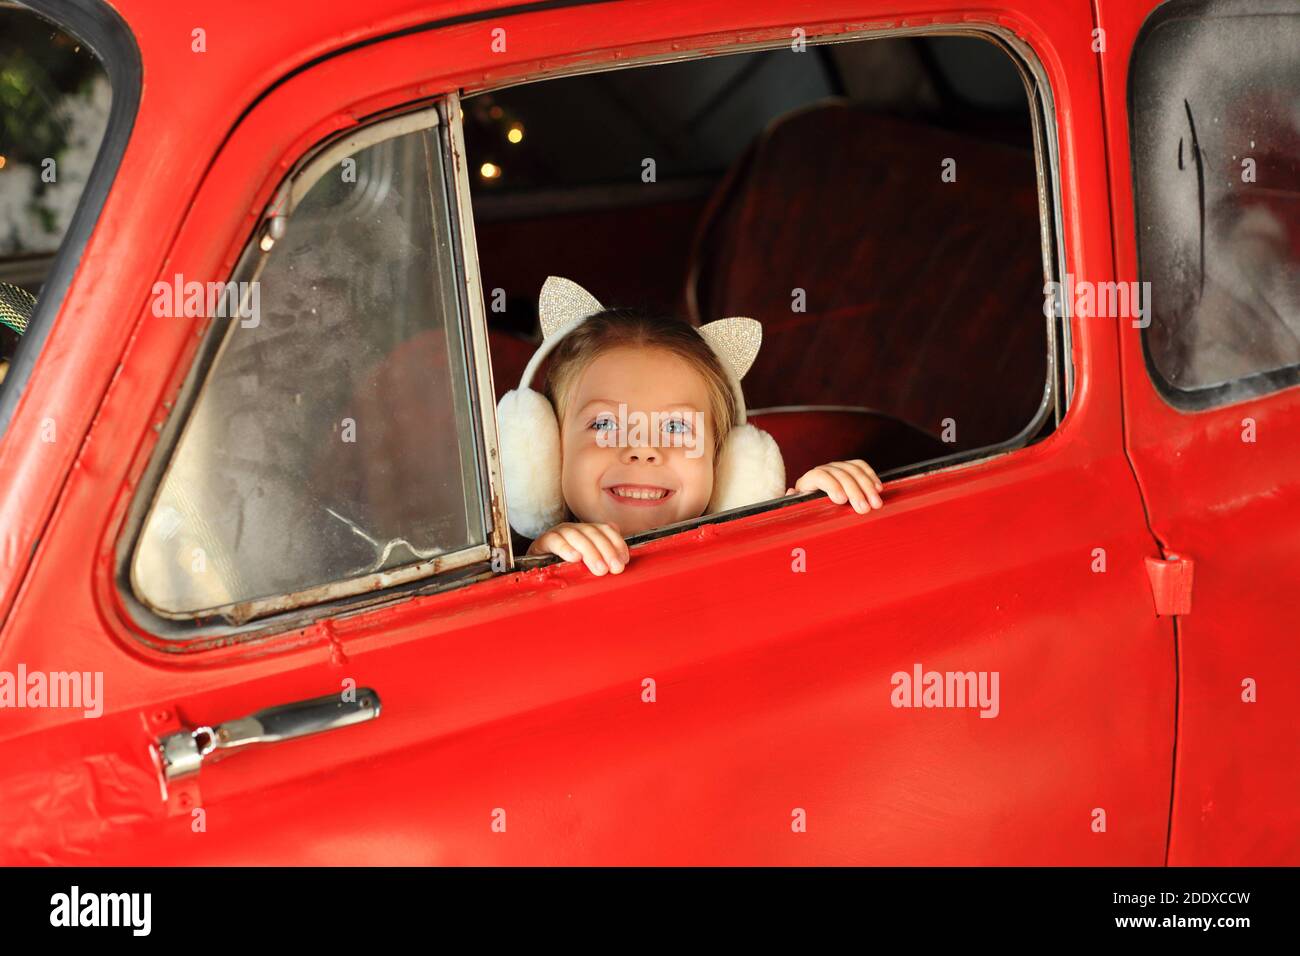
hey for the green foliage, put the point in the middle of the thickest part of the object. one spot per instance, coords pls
(40, 67)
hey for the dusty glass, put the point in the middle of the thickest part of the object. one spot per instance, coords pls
(1215, 114)
(333, 437)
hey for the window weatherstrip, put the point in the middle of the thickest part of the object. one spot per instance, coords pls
(324, 160)
(246, 611)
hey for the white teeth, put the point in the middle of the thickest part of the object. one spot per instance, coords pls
(638, 493)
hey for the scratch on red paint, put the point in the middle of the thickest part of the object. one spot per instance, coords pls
(546, 575)
(337, 657)
(707, 532)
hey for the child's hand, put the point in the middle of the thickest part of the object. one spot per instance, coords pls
(600, 545)
(844, 481)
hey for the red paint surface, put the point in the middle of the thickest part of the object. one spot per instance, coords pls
(525, 692)
(1171, 583)
(1231, 507)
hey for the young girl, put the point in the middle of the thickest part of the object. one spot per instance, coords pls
(619, 365)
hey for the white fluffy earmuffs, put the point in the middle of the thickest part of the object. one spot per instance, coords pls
(749, 468)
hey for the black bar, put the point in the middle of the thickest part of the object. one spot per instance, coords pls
(462, 908)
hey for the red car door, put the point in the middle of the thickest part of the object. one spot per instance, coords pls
(740, 694)
(1203, 164)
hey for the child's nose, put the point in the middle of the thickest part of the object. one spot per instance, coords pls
(647, 454)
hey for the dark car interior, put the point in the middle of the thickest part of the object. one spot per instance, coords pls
(902, 308)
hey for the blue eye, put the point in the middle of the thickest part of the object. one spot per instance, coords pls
(683, 428)
(604, 420)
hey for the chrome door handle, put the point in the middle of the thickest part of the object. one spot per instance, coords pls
(182, 753)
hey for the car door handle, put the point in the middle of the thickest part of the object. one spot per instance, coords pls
(181, 754)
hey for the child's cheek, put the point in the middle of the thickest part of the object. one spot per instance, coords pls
(579, 475)
(697, 485)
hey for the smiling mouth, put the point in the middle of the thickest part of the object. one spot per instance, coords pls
(638, 494)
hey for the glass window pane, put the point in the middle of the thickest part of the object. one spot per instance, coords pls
(54, 104)
(1216, 152)
(333, 437)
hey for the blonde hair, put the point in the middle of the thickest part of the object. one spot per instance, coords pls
(622, 328)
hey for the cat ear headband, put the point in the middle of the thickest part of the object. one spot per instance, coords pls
(749, 468)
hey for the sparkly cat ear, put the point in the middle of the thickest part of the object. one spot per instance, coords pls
(562, 303)
(736, 341)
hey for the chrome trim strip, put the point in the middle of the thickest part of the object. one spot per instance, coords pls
(355, 140)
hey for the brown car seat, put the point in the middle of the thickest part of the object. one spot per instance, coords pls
(924, 298)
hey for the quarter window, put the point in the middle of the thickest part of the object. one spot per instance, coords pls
(333, 444)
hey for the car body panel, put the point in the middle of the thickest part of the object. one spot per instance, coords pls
(1228, 505)
(524, 693)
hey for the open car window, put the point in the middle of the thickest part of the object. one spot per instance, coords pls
(332, 443)
(883, 207)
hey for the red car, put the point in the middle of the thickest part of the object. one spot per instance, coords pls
(1037, 262)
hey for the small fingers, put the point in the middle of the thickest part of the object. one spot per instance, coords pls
(821, 479)
(553, 542)
(617, 554)
(599, 546)
(604, 554)
(864, 478)
(871, 472)
(586, 547)
(844, 482)
(853, 486)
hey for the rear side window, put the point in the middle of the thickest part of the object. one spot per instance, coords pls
(1215, 113)
(331, 447)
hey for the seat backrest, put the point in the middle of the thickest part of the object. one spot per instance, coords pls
(510, 354)
(813, 436)
(924, 298)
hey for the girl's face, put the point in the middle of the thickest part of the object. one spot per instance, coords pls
(639, 424)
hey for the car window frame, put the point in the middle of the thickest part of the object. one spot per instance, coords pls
(1059, 380)
(1208, 397)
(197, 636)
